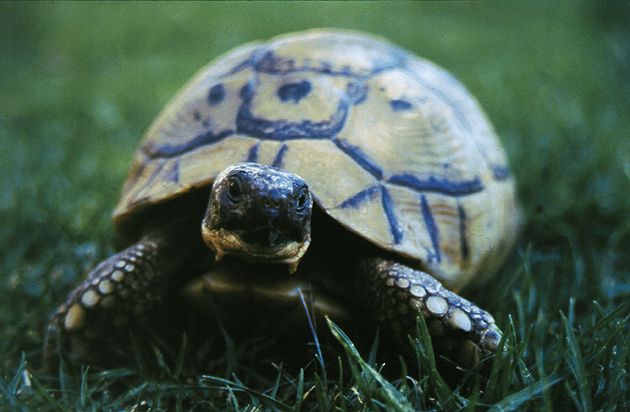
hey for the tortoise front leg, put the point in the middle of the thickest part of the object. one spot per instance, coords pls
(124, 288)
(398, 293)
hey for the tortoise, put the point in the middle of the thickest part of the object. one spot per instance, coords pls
(373, 167)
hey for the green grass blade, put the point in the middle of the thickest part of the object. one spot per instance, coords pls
(226, 384)
(573, 358)
(516, 400)
(299, 392)
(44, 394)
(394, 400)
(426, 357)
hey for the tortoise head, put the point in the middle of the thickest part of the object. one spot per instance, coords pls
(260, 213)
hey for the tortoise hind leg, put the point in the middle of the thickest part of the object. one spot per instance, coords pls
(398, 293)
(126, 287)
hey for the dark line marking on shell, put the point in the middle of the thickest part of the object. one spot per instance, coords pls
(277, 161)
(248, 124)
(432, 228)
(400, 105)
(216, 94)
(294, 91)
(252, 154)
(247, 63)
(358, 199)
(357, 92)
(196, 115)
(388, 207)
(169, 150)
(434, 184)
(361, 158)
(500, 172)
(173, 174)
(148, 183)
(247, 91)
(265, 61)
(135, 175)
(463, 241)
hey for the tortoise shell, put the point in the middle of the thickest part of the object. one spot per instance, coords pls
(392, 146)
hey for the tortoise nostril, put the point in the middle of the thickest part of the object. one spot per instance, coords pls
(271, 203)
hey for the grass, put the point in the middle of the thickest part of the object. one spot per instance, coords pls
(80, 82)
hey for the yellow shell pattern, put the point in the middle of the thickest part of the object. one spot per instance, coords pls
(393, 147)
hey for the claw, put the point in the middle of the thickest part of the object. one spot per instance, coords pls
(490, 338)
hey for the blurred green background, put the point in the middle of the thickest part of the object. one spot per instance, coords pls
(80, 82)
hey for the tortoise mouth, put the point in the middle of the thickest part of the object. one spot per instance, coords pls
(282, 250)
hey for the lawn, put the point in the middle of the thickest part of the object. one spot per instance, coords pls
(80, 82)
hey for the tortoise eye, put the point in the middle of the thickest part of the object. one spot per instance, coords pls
(234, 189)
(302, 200)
